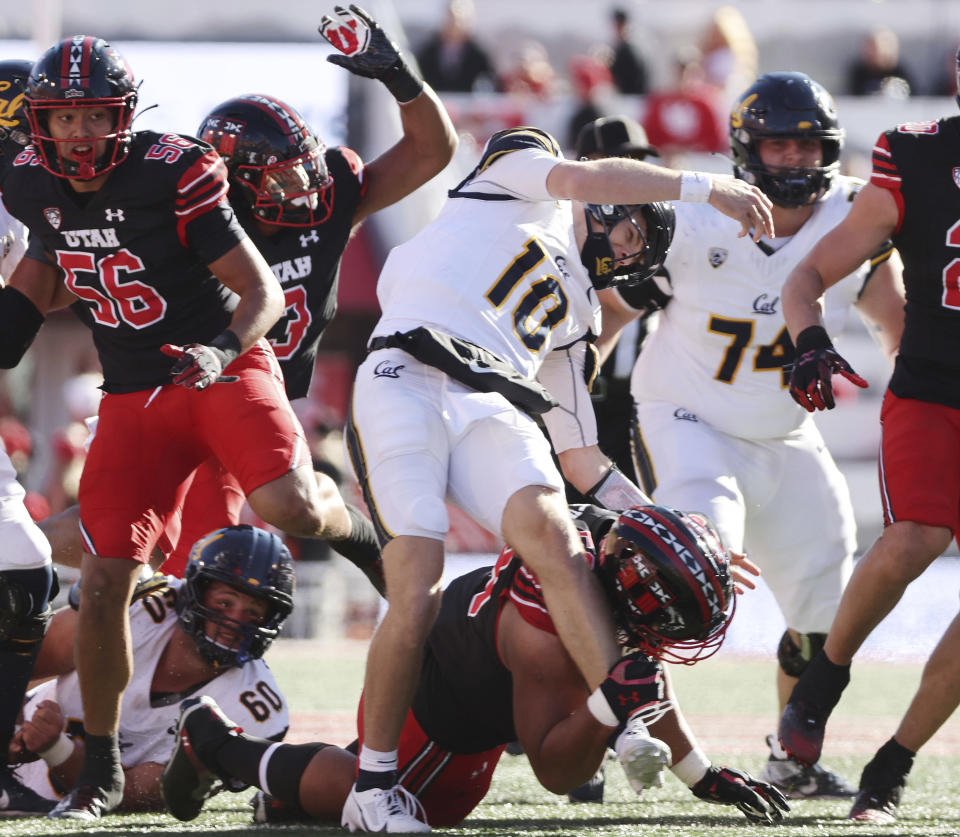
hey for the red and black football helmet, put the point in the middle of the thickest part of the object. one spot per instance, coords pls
(81, 72)
(252, 561)
(787, 106)
(656, 234)
(668, 575)
(275, 161)
(13, 118)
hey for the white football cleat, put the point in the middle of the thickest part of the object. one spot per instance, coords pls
(641, 756)
(395, 811)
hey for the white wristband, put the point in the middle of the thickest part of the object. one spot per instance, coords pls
(600, 709)
(58, 752)
(695, 186)
(692, 767)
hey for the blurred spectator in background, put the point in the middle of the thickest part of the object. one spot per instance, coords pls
(691, 115)
(451, 61)
(591, 83)
(532, 74)
(728, 53)
(81, 396)
(945, 80)
(877, 69)
(627, 65)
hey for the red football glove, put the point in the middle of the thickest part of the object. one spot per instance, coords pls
(199, 366)
(816, 363)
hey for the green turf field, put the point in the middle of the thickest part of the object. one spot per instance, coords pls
(730, 704)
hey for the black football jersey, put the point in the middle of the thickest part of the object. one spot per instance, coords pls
(920, 164)
(306, 261)
(464, 700)
(136, 251)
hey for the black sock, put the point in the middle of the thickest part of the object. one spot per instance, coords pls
(287, 765)
(384, 779)
(889, 767)
(240, 756)
(822, 683)
(101, 763)
(362, 548)
(16, 670)
(25, 594)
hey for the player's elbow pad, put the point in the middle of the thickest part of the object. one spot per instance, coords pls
(20, 320)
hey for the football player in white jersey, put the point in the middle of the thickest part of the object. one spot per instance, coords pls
(715, 430)
(206, 632)
(498, 288)
(26, 572)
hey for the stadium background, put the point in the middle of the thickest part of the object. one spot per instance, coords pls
(190, 56)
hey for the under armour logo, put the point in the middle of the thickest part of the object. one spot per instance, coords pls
(308, 238)
(114, 214)
(387, 369)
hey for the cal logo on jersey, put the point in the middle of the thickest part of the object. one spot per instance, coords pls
(716, 256)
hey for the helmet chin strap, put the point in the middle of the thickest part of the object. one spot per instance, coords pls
(596, 254)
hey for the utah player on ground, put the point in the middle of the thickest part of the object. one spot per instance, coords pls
(714, 430)
(441, 404)
(494, 671)
(914, 197)
(136, 229)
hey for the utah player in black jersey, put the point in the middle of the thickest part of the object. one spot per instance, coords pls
(135, 230)
(300, 203)
(495, 671)
(913, 197)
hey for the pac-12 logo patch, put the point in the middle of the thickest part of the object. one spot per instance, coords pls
(956, 176)
(53, 216)
(716, 256)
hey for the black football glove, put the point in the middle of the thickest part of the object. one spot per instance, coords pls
(199, 366)
(759, 801)
(634, 686)
(815, 364)
(369, 52)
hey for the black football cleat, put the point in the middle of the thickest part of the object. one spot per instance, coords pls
(591, 791)
(801, 732)
(881, 785)
(188, 778)
(17, 799)
(86, 803)
(877, 805)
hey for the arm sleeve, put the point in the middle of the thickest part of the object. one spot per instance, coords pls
(20, 320)
(573, 423)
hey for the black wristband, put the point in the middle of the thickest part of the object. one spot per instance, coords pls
(403, 83)
(228, 344)
(812, 338)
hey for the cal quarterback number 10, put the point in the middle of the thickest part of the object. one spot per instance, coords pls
(544, 305)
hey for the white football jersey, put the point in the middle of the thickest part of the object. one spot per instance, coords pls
(249, 695)
(504, 274)
(718, 350)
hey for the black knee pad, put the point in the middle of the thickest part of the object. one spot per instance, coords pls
(794, 658)
(22, 622)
